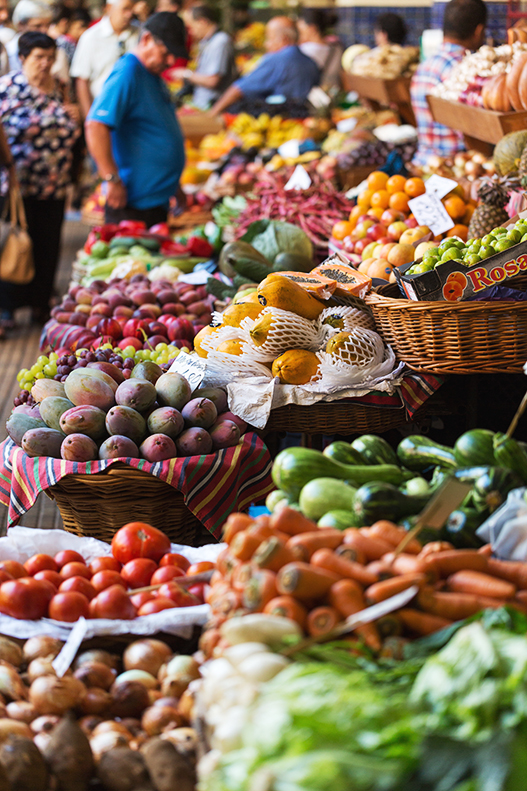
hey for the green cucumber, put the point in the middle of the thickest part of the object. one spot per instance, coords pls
(491, 489)
(471, 474)
(123, 241)
(338, 519)
(322, 494)
(343, 452)
(509, 453)
(384, 501)
(275, 497)
(475, 447)
(416, 487)
(418, 453)
(374, 450)
(460, 528)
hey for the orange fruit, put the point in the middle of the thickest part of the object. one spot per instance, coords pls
(364, 199)
(380, 199)
(452, 291)
(377, 180)
(395, 184)
(414, 187)
(459, 230)
(380, 268)
(399, 201)
(355, 213)
(376, 212)
(455, 206)
(468, 214)
(342, 229)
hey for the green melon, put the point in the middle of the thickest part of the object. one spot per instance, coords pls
(508, 151)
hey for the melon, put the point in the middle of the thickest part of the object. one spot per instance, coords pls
(508, 151)
(351, 53)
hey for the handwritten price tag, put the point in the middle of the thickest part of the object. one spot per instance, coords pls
(428, 210)
(67, 653)
(191, 367)
(439, 186)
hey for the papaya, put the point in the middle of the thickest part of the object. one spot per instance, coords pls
(295, 367)
(287, 261)
(233, 346)
(261, 329)
(235, 313)
(321, 287)
(349, 281)
(278, 291)
(346, 347)
(206, 332)
(237, 251)
(248, 296)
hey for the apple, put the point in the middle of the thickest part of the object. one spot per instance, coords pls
(369, 250)
(395, 229)
(100, 309)
(401, 254)
(390, 215)
(110, 327)
(124, 311)
(348, 245)
(365, 265)
(361, 244)
(375, 232)
(361, 228)
(385, 240)
(384, 249)
(411, 222)
(130, 341)
(411, 235)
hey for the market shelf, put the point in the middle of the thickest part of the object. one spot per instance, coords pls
(476, 123)
(382, 92)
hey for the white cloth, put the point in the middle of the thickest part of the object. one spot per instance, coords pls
(98, 51)
(60, 68)
(317, 52)
(6, 34)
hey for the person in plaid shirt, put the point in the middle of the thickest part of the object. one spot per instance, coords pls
(463, 29)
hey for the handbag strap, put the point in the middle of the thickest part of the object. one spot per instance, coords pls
(16, 204)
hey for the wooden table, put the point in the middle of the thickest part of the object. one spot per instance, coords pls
(381, 92)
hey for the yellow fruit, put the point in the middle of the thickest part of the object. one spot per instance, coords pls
(295, 367)
(235, 313)
(261, 328)
(234, 346)
(340, 347)
(206, 332)
(280, 292)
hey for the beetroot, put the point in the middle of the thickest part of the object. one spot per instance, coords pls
(194, 442)
(224, 434)
(199, 413)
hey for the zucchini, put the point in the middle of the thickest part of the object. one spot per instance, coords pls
(418, 453)
(274, 498)
(416, 486)
(339, 519)
(491, 489)
(384, 501)
(374, 450)
(509, 453)
(343, 452)
(460, 528)
(475, 447)
(322, 494)
(471, 474)
(294, 467)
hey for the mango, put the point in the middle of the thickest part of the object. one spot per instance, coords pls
(166, 420)
(158, 447)
(136, 393)
(79, 447)
(173, 390)
(199, 413)
(42, 442)
(98, 374)
(86, 419)
(18, 423)
(224, 435)
(127, 422)
(147, 370)
(217, 395)
(83, 388)
(118, 447)
(47, 387)
(51, 409)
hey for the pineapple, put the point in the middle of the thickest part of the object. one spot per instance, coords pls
(490, 212)
(522, 168)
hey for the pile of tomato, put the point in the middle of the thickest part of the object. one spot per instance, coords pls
(65, 587)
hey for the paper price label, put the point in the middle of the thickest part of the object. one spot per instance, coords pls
(428, 210)
(439, 186)
(300, 180)
(189, 366)
(290, 149)
(68, 651)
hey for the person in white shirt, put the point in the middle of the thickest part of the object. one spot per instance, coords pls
(313, 42)
(31, 15)
(99, 49)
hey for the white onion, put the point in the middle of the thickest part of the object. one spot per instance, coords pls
(52, 695)
(42, 645)
(10, 683)
(21, 710)
(106, 741)
(147, 655)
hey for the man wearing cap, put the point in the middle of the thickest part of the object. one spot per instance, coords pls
(132, 131)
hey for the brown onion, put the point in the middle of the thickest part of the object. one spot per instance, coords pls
(185, 740)
(156, 719)
(167, 702)
(10, 652)
(10, 727)
(146, 679)
(174, 687)
(106, 741)
(11, 685)
(147, 655)
(42, 740)
(154, 695)
(88, 724)
(186, 705)
(96, 674)
(129, 699)
(97, 655)
(22, 711)
(42, 645)
(112, 726)
(95, 701)
(41, 666)
(45, 723)
(132, 724)
(52, 695)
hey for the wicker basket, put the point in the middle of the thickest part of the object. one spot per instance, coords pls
(98, 505)
(453, 338)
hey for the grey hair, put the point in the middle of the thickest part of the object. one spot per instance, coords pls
(30, 9)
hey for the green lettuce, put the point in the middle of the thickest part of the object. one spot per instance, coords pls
(271, 237)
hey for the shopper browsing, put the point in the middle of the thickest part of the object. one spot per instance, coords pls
(33, 16)
(313, 42)
(463, 29)
(389, 28)
(132, 131)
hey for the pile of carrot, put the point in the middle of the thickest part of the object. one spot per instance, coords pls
(284, 564)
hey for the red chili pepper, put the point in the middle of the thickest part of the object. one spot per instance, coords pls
(108, 231)
(199, 247)
(132, 225)
(173, 248)
(93, 236)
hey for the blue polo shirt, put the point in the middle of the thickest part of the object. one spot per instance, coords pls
(147, 143)
(287, 72)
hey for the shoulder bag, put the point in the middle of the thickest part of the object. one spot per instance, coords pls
(16, 249)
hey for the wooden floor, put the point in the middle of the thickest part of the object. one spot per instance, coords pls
(21, 350)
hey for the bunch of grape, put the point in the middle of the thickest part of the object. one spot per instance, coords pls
(24, 397)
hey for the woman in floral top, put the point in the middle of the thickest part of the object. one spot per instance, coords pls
(41, 131)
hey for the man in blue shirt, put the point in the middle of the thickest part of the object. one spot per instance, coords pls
(132, 131)
(284, 71)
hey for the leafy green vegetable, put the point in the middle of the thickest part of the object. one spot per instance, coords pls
(271, 237)
(226, 212)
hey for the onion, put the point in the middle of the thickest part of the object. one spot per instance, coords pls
(129, 699)
(175, 686)
(106, 741)
(185, 740)
(10, 683)
(147, 655)
(88, 724)
(42, 740)
(180, 665)
(21, 710)
(52, 695)
(110, 726)
(95, 701)
(42, 645)
(154, 695)
(13, 728)
(187, 704)
(42, 666)
(133, 725)
(10, 652)
(156, 719)
(44, 723)
(167, 702)
(96, 655)
(141, 676)
(96, 674)
(262, 667)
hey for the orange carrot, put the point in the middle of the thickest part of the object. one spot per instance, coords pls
(380, 569)
(241, 576)
(305, 582)
(261, 531)
(407, 564)
(244, 545)
(422, 623)
(380, 591)
(452, 606)
(389, 532)
(292, 522)
(235, 524)
(452, 560)
(351, 553)
(511, 570)
(306, 544)
(322, 620)
(435, 546)
(346, 597)
(216, 591)
(287, 607)
(480, 584)
(372, 548)
(326, 559)
(217, 576)
(521, 597)
(273, 554)
(260, 589)
(208, 641)
(227, 604)
(222, 561)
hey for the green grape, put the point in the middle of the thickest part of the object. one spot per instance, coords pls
(50, 370)
(40, 375)
(106, 346)
(53, 356)
(147, 354)
(129, 351)
(21, 374)
(42, 360)
(161, 347)
(37, 367)
(139, 356)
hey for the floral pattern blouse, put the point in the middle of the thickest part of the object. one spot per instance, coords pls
(40, 134)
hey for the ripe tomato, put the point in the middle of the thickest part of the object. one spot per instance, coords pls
(49, 575)
(105, 579)
(139, 540)
(113, 603)
(138, 573)
(25, 598)
(177, 594)
(104, 563)
(199, 568)
(39, 563)
(75, 569)
(16, 570)
(79, 585)
(69, 606)
(165, 574)
(68, 556)
(175, 559)
(198, 591)
(4, 576)
(156, 605)
(141, 598)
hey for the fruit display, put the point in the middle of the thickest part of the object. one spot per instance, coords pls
(469, 165)
(386, 62)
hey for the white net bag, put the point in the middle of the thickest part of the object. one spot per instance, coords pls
(343, 319)
(356, 356)
(336, 374)
(222, 367)
(275, 331)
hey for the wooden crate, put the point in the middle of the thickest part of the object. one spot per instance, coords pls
(476, 122)
(196, 125)
(383, 92)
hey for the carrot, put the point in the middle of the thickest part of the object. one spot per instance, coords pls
(452, 560)
(216, 591)
(227, 604)
(380, 569)
(452, 606)
(326, 559)
(486, 549)
(208, 641)
(244, 545)
(351, 553)
(435, 546)
(380, 591)
(407, 564)
(346, 597)
(264, 520)
(480, 584)
(322, 620)
(521, 597)
(305, 582)
(287, 607)
(372, 548)
(261, 531)
(389, 625)
(422, 623)
(292, 522)
(241, 576)
(306, 544)
(222, 561)
(511, 570)
(235, 524)
(392, 534)
(260, 589)
(273, 554)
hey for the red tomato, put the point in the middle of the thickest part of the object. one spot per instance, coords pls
(138, 573)
(75, 569)
(105, 579)
(175, 559)
(40, 563)
(139, 540)
(79, 585)
(166, 574)
(4, 576)
(104, 563)
(156, 605)
(177, 594)
(25, 598)
(16, 570)
(113, 603)
(49, 575)
(69, 606)
(198, 591)
(199, 568)
(141, 598)
(68, 556)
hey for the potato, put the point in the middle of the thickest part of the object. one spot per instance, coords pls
(123, 769)
(168, 769)
(24, 766)
(69, 756)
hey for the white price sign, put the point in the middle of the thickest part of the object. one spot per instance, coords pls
(428, 210)
(439, 186)
(191, 367)
(300, 180)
